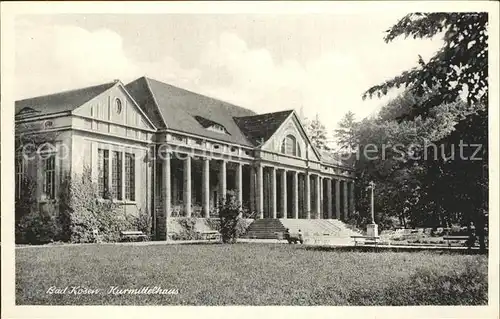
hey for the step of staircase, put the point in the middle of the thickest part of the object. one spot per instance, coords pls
(267, 228)
(264, 229)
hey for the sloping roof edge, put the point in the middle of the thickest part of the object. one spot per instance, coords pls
(155, 101)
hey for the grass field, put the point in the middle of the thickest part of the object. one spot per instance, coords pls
(247, 274)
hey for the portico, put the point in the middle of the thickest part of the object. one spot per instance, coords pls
(264, 190)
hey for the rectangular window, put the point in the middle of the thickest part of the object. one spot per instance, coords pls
(129, 176)
(19, 175)
(117, 175)
(103, 167)
(49, 161)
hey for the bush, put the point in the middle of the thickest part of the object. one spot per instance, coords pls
(188, 232)
(143, 222)
(75, 216)
(37, 228)
(466, 286)
(243, 225)
(26, 203)
(213, 223)
(231, 226)
(82, 212)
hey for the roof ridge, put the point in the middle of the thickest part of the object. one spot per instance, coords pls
(264, 114)
(67, 91)
(202, 95)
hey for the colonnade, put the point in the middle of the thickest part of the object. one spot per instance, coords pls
(306, 196)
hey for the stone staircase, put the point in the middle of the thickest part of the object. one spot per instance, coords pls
(331, 228)
(264, 228)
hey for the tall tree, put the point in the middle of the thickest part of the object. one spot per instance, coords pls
(387, 152)
(317, 133)
(459, 68)
(345, 134)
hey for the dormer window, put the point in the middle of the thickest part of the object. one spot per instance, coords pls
(217, 128)
(211, 125)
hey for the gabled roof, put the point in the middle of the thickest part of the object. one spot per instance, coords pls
(259, 128)
(65, 101)
(175, 108)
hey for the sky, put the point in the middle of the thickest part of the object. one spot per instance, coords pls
(317, 64)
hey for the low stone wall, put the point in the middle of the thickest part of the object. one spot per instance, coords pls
(201, 225)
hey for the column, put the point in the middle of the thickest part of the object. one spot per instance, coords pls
(260, 191)
(329, 197)
(273, 193)
(239, 182)
(150, 164)
(123, 177)
(346, 203)
(110, 173)
(166, 192)
(206, 187)
(318, 196)
(187, 186)
(252, 189)
(351, 197)
(337, 199)
(308, 195)
(283, 195)
(295, 194)
(222, 179)
(94, 159)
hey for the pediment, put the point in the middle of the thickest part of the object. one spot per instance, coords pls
(292, 128)
(116, 106)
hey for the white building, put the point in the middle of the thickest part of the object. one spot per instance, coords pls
(152, 145)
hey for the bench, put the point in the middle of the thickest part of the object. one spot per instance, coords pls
(210, 235)
(373, 240)
(457, 238)
(133, 235)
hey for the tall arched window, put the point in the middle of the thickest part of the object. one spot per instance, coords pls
(289, 146)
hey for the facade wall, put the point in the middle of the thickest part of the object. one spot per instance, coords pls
(42, 136)
(76, 137)
(85, 154)
(101, 123)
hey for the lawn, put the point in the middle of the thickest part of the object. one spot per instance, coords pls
(247, 274)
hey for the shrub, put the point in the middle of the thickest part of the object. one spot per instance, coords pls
(213, 223)
(37, 228)
(188, 232)
(26, 203)
(143, 222)
(243, 224)
(231, 226)
(25, 211)
(82, 211)
(75, 216)
(35, 223)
